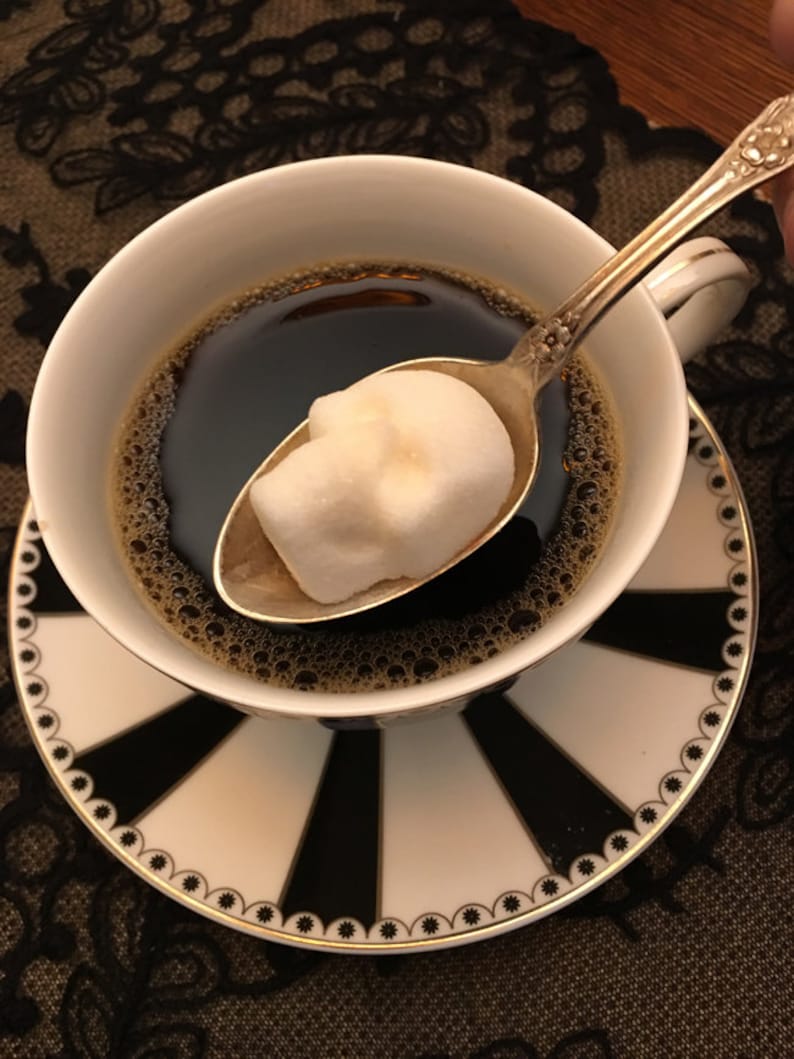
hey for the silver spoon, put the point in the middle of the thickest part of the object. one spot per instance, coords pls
(247, 571)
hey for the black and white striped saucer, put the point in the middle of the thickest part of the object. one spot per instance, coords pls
(423, 835)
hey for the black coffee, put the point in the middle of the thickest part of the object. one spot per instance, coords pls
(217, 404)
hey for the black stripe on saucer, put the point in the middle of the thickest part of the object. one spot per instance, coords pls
(336, 867)
(52, 595)
(683, 628)
(137, 768)
(566, 812)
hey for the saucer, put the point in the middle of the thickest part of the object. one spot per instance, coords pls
(424, 835)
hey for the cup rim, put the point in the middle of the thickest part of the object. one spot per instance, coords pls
(209, 678)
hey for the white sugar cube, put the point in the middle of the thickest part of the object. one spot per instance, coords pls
(401, 472)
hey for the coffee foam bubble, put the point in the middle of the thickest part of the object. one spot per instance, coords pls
(342, 657)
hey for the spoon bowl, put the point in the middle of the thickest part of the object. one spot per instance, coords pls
(247, 572)
(250, 575)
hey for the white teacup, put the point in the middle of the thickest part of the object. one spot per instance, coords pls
(377, 208)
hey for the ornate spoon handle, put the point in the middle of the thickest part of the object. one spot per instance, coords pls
(764, 148)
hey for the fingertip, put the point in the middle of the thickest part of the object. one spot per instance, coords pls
(781, 29)
(783, 202)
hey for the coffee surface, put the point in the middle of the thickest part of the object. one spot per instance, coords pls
(215, 405)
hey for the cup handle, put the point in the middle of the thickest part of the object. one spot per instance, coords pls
(699, 287)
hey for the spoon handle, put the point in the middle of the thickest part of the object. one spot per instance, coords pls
(764, 148)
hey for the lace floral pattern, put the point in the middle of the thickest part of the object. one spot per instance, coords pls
(122, 108)
(10, 7)
(206, 99)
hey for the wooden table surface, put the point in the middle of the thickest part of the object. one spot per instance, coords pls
(702, 63)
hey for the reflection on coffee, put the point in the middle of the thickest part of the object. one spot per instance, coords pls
(234, 388)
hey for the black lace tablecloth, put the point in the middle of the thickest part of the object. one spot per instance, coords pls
(112, 112)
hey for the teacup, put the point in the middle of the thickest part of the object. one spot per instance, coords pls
(362, 208)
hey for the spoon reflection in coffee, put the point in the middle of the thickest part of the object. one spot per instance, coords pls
(249, 572)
